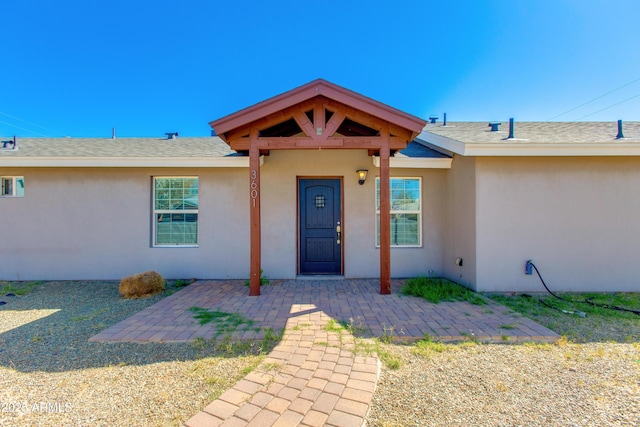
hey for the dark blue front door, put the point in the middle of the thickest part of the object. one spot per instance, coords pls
(320, 226)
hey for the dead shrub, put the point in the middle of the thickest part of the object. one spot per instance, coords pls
(141, 285)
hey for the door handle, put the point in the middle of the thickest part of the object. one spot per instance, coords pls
(339, 231)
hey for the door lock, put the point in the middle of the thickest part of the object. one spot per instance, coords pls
(339, 231)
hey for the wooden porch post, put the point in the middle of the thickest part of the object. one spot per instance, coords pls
(254, 200)
(385, 219)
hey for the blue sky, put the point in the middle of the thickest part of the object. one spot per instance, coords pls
(80, 68)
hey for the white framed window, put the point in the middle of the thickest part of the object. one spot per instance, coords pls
(12, 186)
(406, 211)
(175, 211)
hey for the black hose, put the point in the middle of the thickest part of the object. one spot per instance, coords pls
(541, 301)
(586, 301)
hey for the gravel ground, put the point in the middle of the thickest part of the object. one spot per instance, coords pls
(51, 376)
(563, 384)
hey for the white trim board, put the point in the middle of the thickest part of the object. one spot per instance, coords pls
(416, 162)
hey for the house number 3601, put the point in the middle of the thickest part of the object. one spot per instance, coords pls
(254, 186)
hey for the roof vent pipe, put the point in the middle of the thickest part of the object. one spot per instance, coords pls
(5, 144)
(494, 126)
(113, 133)
(433, 119)
(620, 134)
(510, 129)
(444, 120)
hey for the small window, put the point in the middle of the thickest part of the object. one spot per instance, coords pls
(406, 212)
(175, 211)
(12, 186)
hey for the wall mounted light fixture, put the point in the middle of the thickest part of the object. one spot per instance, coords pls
(362, 175)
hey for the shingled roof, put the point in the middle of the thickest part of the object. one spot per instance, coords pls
(119, 147)
(465, 138)
(203, 152)
(535, 138)
(137, 152)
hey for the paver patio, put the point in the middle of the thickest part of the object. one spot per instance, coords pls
(312, 377)
(355, 301)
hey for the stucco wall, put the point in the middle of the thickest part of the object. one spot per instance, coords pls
(576, 218)
(362, 259)
(460, 232)
(95, 223)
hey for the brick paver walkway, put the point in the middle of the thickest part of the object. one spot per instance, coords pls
(312, 377)
(355, 301)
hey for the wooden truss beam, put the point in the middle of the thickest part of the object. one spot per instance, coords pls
(297, 143)
(334, 123)
(340, 112)
(307, 127)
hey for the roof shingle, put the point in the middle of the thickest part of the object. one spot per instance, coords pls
(536, 132)
(120, 147)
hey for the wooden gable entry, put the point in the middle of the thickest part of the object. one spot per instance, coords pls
(318, 115)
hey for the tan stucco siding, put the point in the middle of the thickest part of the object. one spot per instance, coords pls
(576, 218)
(95, 223)
(460, 231)
(361, 258)
(429, 259)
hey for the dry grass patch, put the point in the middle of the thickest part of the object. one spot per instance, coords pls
(141, 285)
(599, 324)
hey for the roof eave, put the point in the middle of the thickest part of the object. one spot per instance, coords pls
(551, 150)
(520, 148)
(443, 142)
(127, 162)
(416, 162)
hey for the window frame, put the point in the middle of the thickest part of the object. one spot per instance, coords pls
(155, 212)
(417, 212)
(14, 186)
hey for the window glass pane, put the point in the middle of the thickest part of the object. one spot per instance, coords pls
(404, 230)
(405, 194)
(179, 197)
(161, 193)
(175, 197)
(377, 194)
(7, 186)
(19, 186)
(189, 203)
(191, 186)
(163, 229)
(162, 201)
(176, 229)
(404, 227)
